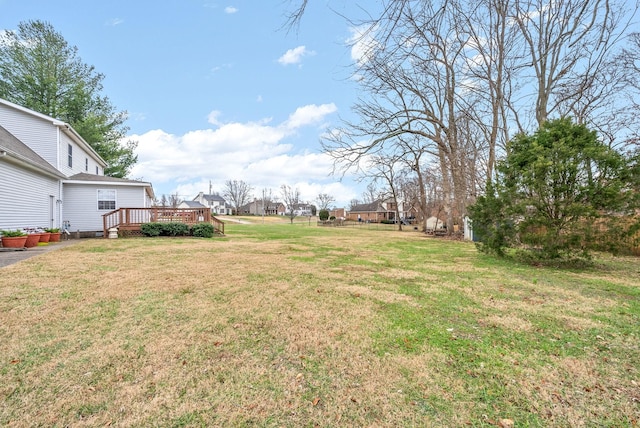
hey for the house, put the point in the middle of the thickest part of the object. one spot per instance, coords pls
(215, 202)
(339, 213)
(274, 208)
(191, 204)
(260, 207)
(379, 211)
(303, 209)
(374, 212)
(50, 177)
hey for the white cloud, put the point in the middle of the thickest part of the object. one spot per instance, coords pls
(114, 21)
(230, 9)
(362, 42)
(212, 118)
(221, 67)
(309, 115)
(256, 152)
(294, 56)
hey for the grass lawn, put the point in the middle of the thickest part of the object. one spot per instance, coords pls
(279, 325)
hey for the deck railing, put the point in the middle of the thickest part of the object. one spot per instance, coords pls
(130, 220)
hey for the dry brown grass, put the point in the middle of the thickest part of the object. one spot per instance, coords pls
(313, 329)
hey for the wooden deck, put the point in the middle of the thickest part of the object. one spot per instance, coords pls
(129, 221)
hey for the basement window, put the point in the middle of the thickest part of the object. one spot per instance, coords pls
(106, 199)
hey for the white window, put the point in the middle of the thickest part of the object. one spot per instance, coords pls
(86, 164)
(106, 199)
(70, 155)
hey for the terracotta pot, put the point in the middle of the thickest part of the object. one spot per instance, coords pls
(55, 237)
(44, 237)
(14, 241)
(32, 240)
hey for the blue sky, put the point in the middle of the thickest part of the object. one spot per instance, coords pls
(217, 90)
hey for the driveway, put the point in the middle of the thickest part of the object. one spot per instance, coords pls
(9, 256)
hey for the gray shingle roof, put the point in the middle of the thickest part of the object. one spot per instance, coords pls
(372, 207)
(83, 176)
(193, 204)
(213, 198)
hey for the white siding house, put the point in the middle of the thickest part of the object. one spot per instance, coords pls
(216, 203)
(49, 176)
(87, 197)
(30, 189)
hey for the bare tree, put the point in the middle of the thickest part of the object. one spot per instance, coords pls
(386, 169)
(631, 58)
(371, 193)
(295, 16)
(174, 200)
(237, 192)
(291, 198)
(449, 82)
(566, 43)
(324, 201)
(490, 40)
(413, 81)
(632, 64)
(613, 105)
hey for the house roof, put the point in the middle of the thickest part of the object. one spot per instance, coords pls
(212, 198)
(20, 152)
(367, 208)
(85, 178)
(193, 204)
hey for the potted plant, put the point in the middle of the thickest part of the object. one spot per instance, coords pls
(13, 238)
(54, 234)
(45, 236)
(32, 240)
(33, 236)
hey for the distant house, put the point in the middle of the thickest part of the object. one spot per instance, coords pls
(339, 213)
(260, 207)
(216, 203)
(191, 204)
(303, 209)
(50, 177)
(377, 211)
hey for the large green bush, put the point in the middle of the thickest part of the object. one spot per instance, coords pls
(176, 229)
(165, 229)
(555, 194)
(152, 229)
(323, 215)
(202, 230)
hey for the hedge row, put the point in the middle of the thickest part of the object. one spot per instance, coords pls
(202, 230)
